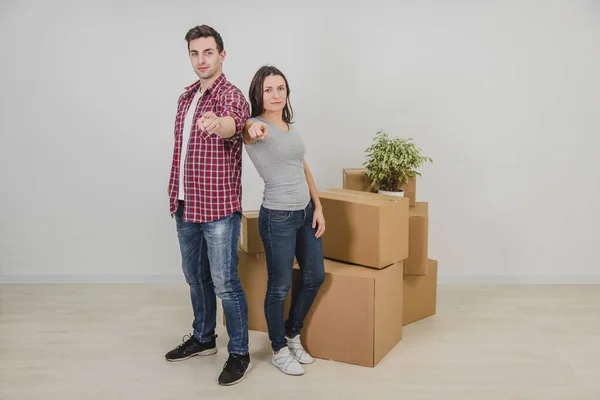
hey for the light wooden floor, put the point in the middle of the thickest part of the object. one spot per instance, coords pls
(486, 342)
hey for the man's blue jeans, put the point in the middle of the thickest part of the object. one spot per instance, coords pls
(209, 253)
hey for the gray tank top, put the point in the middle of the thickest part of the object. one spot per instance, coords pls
(278, 160)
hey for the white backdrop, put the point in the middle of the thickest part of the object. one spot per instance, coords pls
(503, 96)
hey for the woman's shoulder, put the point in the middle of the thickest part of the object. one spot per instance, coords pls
(292, 128)
(259, 118)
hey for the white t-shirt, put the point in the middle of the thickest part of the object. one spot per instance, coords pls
(187, 131)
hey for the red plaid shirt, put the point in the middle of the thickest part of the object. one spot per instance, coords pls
(213, 165)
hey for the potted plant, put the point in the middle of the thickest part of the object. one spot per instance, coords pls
(392, 162)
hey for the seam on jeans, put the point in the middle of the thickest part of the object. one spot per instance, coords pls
(270, 233)
(272, 257)
(201, 285)
(304, 271)
(306, 213)
(197, 277)
(237, 303)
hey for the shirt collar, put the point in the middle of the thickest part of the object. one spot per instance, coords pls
(211, 89)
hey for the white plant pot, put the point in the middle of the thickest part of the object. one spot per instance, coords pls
(397, 194)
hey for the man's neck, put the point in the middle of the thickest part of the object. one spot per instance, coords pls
(206, 83)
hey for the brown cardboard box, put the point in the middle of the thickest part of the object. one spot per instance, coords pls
(252, 270)
(365, 228)
(410, 191)
(249, 237)
(357, 179)
(420, 295)
(357, 315)
(418, 240)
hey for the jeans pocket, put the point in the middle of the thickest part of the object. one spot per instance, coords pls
(279, 216)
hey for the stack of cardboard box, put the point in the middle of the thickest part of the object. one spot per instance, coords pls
(378, 277)
(357, 315)
(420, 272)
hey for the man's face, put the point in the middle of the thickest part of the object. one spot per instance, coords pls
(205, 58)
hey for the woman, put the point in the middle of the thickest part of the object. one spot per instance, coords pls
(291, 220)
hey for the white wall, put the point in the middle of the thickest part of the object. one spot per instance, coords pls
(503, 96)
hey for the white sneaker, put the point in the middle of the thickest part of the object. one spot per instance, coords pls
(298, 351)
(287, 363)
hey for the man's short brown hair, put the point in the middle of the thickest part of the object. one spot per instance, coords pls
(204, 31)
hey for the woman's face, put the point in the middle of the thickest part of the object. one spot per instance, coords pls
(274, 93)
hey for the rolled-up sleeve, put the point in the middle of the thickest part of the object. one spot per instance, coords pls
(235, 106)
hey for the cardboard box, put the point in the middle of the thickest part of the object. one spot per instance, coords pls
(365, 228)
(252, 270)
(357, 179)
(418, 240)
(357, 315)
(249, 237)
(410, 191)
(420, 295)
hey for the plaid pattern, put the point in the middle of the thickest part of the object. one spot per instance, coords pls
(213, 165)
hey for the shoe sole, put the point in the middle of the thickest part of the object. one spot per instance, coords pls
(239, 380)
(287, 373)
(208, 352)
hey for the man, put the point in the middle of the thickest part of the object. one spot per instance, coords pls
(205, 198)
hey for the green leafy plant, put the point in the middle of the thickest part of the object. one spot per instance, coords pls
(392, 162)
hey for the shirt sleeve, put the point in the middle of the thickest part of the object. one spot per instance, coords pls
(235, 106)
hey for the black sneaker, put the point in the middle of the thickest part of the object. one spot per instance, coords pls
(192, 347)
(235, 369)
